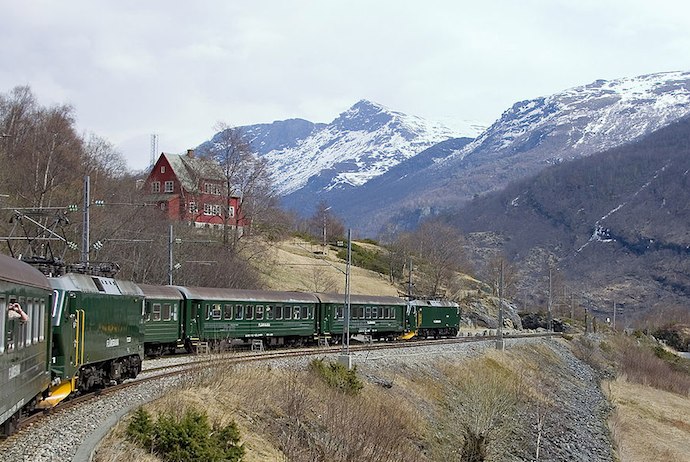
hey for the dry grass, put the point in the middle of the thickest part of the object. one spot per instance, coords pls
(643, 366)
(294, 265)
(290, 415)
(648, 424)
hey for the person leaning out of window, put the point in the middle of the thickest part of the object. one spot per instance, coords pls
(14, 311)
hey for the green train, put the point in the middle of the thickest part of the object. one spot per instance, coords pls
(220, 317)
(66, 335)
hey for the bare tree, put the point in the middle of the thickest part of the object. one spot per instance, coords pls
(438, 251)
(246, 177)
(324, 224)
(510, 275)
(42, 146)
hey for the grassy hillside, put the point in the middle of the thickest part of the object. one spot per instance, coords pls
(296, 264)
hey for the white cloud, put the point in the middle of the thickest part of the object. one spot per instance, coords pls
(134, 68)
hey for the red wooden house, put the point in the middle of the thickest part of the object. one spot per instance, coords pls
(192, 189)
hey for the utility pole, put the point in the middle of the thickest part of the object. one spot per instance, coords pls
(500, 343)
(345, 357)
(409, 282)
(549, 318)
(85, 223)
(324, 228)
(170, 255)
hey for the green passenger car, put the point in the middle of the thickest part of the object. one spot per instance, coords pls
(219, 316)
(98, 332)
(24, 340)
(434, 318)
(162, 315)
(381, 317)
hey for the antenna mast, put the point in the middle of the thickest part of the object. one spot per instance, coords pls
(154, 149)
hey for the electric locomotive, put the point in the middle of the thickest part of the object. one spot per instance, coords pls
(98, 334)
(433, 318)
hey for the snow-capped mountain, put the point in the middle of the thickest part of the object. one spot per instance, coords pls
(530, 136)
(362, 143)
(586, 119)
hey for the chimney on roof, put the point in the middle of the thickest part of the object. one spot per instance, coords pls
(190, 152)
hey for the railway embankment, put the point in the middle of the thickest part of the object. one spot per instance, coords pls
(425, 403)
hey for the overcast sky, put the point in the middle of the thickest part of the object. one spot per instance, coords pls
(133, 68)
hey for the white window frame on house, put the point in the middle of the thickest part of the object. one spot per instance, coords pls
(207, 209)
(193, 208)
(162, 168)
(212, 188)
(231, 211)
(169, 186)
(156, 187)
(215, 209)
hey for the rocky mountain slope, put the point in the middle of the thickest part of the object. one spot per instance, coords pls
(615, 223)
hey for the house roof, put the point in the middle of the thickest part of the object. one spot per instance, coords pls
(190, 170)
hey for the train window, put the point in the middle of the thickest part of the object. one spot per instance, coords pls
(381, 312)
(367, 313)
(147, 312)
(227, 315)
(42, 320)
(393, 313)
(21, 338)
(27, 327)
(287, 312)
(339, 312)
(305, 312)
(296, 312)
(166, 312)
(3, 316)
(249, 312)
(259, 312)
(239, 312)
(269, 312)
(156, 312)
(279, 312)
(375, 312)
(35, 322)
(216, 312)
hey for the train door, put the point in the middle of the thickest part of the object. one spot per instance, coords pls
(193, 333)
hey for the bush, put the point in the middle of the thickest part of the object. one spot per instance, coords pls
(190, 438)
(368, 259)
(338, 376)
(673, 338)
(653, 368)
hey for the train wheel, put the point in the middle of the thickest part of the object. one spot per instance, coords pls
(10, 425)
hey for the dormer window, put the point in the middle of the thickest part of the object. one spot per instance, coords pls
(162, 168)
